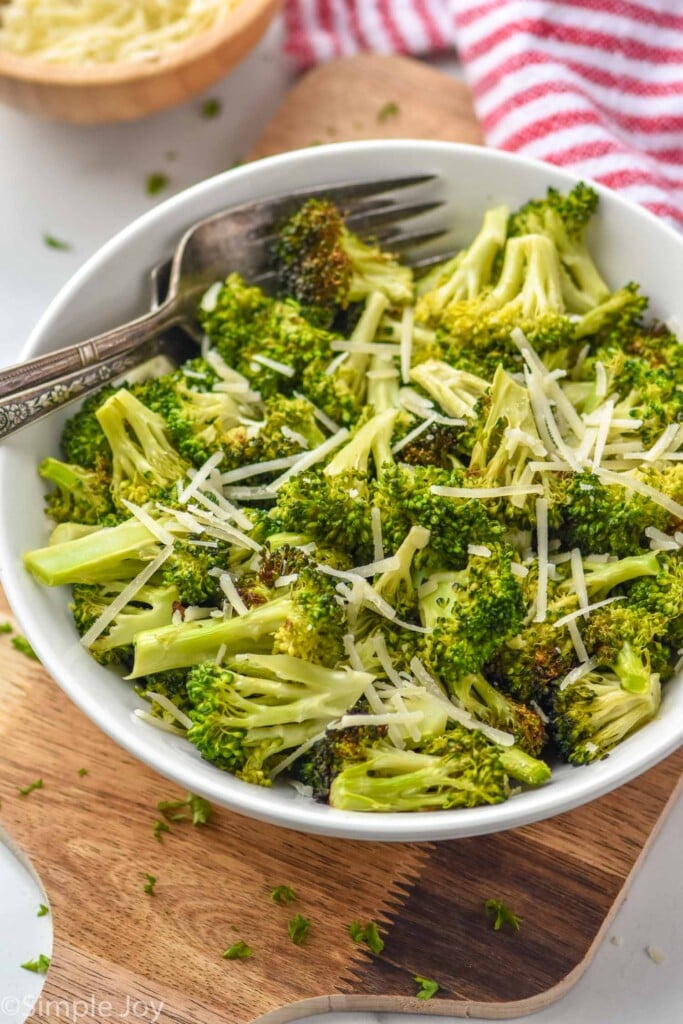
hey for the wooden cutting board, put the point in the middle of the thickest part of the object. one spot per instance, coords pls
(91, 836)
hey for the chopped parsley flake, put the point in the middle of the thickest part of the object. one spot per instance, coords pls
(238, 951)
(282, 894)
(368, 934)
(156, 183)
(426, 987)
(298, 929)
(56, 243)
(82, 772)
(149, 885)
(21, 644)
(501, 915)
(5, 627)
(159, 828)
(192, 808)
(39, 966)
(43, 910)
(38, 784)
(211, 108)
(389, 110)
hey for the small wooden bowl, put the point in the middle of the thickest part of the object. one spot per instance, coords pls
(123, 91)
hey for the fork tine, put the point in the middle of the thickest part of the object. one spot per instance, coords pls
(401, 241)
(370, 193)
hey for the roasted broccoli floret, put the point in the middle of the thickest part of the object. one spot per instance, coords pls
(397, 585)
(79, 495)
(303, 621)
(245, 716)
(337, 749)
(319, 262)
(459, 768)
(468, 274)
(151, 607)
(564, 219)
(83, 440)
(594, 713)
(456, 391)
(145, 465)
(268, 341)
(470, 613)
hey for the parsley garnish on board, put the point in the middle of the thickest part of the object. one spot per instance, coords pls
(298, 929)
(43, 910)
(282, 894)
(426, 987)
(389, 110)
(82, 772)
(194, 808)
(25, 790)
(39, 966)
(159, 828)
(501, 915)
(5, 627)
(367, 934)
(238, 951)
(21, 644)
(149, 885)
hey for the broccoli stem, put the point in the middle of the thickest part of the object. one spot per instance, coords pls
(190, 643)
(117, 552)
(633, 672)
(374, 436)
(600, 579)
(523, 767)
(530, 277)
(473, 268)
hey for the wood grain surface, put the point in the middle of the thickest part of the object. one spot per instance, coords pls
(91, 836)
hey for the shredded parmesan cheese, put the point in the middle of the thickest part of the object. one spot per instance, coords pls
(169, 706)
(505, 491)
(309, 459)
(642, 488)
(376, 524)
(121, 600)
(274, 365)
(542, 544)
(407, 321)
(585, 611)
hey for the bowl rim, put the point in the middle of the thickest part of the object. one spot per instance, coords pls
(305, 815)
(34, 70)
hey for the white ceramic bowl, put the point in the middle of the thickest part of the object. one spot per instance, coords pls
(629, 244)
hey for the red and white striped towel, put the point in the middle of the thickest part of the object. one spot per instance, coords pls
(592, 85)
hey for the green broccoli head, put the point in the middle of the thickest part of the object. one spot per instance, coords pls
(83, 440)
(596, 712)
(563, 219)
(79, 495)
(245, 716)
(337, 749)
(470, 613)
(151, 607)
(459, 768)
(145, 465)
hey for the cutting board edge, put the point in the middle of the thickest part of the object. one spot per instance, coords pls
(343, 1003)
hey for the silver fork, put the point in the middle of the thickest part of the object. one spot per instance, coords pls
(235, 239)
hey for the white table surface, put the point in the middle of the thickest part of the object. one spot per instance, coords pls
(83, 184)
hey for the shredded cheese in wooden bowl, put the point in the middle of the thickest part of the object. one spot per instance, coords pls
(81, 32)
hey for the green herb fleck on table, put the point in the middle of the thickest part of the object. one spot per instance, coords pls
(82, 772)
(298, 929)
(501, 915)
(238, 951)
(211, 108)
(39, 966)
(426, 987)
(192, 808)
(389, 110)
(5, 627)
(156, 183)
(170, 155)
(43, 910)
(149, 885)
(56, 243)
(283, 895)
(37, 784)
(159, 828)
(367, 934)
(21, 644)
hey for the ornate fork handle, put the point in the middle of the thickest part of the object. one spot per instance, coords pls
(54, 366)
(19, 409)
